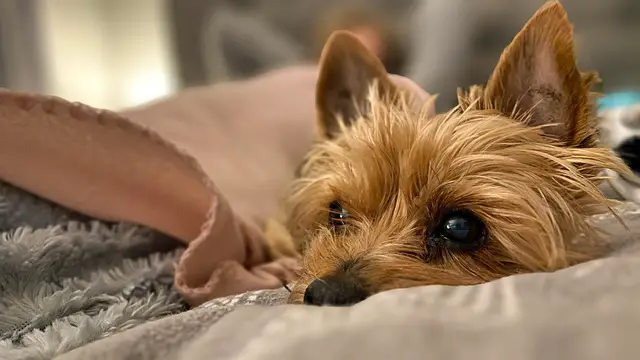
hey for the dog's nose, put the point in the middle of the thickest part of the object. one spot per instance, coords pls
(334, 290)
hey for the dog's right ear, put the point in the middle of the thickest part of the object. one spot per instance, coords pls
(348, 70)
(537, 75)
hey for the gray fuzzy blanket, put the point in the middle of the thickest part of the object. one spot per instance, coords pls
(67, 280)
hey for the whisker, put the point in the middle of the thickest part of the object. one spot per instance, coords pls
(284, 285)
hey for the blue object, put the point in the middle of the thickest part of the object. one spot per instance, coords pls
(619, 99)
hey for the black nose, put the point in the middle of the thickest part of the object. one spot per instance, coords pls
(335, 290)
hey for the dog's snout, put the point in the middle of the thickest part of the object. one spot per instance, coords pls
(334, 290)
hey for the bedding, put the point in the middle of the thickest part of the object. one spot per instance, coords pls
(96, 210)
(585, 312)
(67, 280)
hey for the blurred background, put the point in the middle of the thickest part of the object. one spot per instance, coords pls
(119, 53)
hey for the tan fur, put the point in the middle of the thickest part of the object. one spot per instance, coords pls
(278, 240)
(520, 153)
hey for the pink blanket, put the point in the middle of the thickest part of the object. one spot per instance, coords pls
(167, 165)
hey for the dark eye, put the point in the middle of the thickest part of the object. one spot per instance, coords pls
(460, 230)
(337, 215)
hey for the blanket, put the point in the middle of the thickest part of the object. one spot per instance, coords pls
(67, 280)
(107, 167)
(585, 312)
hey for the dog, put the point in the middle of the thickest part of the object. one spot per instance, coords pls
(388, 197)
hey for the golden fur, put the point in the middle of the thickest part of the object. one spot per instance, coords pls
(520, 154)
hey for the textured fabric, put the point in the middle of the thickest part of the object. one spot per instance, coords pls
(585, 312)
(103, 166)
(66, 281)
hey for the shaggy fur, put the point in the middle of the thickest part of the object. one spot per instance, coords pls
(520, 154)
(66, 281)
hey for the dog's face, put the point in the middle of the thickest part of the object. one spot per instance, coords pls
(391, 198)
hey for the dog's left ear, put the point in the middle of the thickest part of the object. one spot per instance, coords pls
(348, 70)
(537, 75)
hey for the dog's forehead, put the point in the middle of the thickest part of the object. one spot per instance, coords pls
(378, 163)
(421, 160)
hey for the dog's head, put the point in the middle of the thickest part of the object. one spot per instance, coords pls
(392, 198)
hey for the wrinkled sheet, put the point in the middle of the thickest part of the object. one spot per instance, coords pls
(586, 312)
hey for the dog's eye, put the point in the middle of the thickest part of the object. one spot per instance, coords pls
(337, 215)
(460, 230)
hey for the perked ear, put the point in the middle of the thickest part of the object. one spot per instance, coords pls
(537, 75)
(348, 70)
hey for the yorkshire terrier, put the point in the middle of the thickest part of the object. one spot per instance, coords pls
(502, 184)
